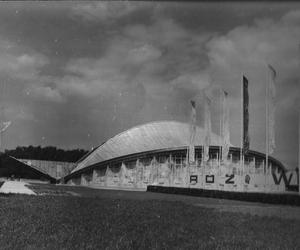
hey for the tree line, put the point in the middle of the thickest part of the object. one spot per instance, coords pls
(48, 153)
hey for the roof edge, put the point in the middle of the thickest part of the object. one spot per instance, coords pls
(234, 149)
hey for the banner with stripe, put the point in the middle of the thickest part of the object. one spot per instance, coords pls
(246, 138)
(192, 132)
(207, 127)
(225, 128)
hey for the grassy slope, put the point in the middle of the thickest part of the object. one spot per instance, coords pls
(90, 222)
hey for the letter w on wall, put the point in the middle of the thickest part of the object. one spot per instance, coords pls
(283, 176)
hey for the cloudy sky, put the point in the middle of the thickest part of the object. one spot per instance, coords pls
(73, 74)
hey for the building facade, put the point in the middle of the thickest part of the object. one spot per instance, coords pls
(156, 154)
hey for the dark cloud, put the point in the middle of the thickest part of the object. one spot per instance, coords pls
(78, 73)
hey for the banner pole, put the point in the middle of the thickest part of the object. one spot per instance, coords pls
(299, 128)
(299, 150)
(203, 169)
(1, 111)
(221, 130)
(242, 124)
(267, 131)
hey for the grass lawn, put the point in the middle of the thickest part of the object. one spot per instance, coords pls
(102, 219)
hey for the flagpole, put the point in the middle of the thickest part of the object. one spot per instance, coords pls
(207, 127)
(221, 129)
(242, 123)
(299, 135)
(299, 151)
(267, 131)
(203, 167)
(1, 112)
(221, 149)
(2, 117)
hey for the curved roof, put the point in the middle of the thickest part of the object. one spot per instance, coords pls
(146, 137)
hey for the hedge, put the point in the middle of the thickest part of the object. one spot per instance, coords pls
(285, 199)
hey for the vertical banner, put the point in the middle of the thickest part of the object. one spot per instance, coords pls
(192, 133)
(207, 128)
(271, 109)
(225, 128)
(246, 138)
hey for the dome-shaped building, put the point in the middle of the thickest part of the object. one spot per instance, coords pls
(156, 154)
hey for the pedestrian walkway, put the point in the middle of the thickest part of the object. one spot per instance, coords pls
(16, 187)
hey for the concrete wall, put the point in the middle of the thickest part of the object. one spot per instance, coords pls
(229, 176)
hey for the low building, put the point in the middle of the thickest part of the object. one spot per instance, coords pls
(34, 170)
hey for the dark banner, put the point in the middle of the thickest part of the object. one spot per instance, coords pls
(246, 139)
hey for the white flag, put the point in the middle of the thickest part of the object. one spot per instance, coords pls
(271, 108)
(4, 126)
(225, 128)
(207, 128)
(192, 133)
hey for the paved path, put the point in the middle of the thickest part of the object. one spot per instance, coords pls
(15, 187)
